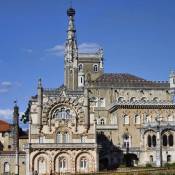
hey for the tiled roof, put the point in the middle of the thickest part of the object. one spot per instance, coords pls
(127, 80)
(4, 126)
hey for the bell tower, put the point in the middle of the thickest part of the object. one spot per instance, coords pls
(71, 54)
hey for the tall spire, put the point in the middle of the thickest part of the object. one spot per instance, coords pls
(71, 53)
(71, 49)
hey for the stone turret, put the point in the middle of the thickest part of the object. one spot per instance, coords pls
(16, 137)
(172, 85)
(15, 127)
(40, 103)
(71, 54)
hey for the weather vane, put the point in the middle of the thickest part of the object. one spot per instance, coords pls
(70, 3)
(15, 102)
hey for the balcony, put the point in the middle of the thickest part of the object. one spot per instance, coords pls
(62, 145)
(131, 149)
(162, 124)
(106, 127)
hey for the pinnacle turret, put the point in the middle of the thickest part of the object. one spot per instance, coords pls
(71, 54)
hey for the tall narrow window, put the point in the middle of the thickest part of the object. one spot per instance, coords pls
(83, 163)
(149, 141)
(147, 119)
(6, 167)
(126, 120)
(65, 137)
(126, 141)
(62, 163)
(83, 139)
(137, 119)
(102, 121)
(151, 158)
(41, 166)
(168, 158)
(95, 67)
(80, 67)
(81, 80)
(59, 137)
(170, 140)
(164, 140)
(154, 140)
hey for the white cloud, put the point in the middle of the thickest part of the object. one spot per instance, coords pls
(28, 50)
(5, 86)
(88, 47)
(58, 50)
(6, 114)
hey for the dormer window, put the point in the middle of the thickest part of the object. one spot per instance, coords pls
(80, 67)
(95, 67)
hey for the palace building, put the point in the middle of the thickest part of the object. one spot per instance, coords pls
(99, 120)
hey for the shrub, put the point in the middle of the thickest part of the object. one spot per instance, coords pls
(148, 165)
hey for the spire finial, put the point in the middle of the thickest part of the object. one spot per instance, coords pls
(70, 11)
(15, 102)
(39, 83)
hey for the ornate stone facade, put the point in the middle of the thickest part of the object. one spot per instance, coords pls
(131, 119)
(98, 120)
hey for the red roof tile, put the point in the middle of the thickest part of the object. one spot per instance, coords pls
(4, 126)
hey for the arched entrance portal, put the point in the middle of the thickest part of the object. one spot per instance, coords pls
(130, 159)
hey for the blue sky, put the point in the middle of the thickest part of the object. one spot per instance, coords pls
(137, 37)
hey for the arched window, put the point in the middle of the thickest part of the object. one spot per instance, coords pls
(81, 80)
(95, 67)
(170, 140)
(66, 137)
(149, 141)
(154, 140)
(62, 163)
(101, 102)
(59, 137)
(102, 121)
(137, 119)
(113, 120)
(164, 140)
(168, 158)
(151, 158)
(41, 166)
(147, 119)
(80, 67)
(6, 167)
(126, 141)
(126, 120)
(83, 163)
(62, 113)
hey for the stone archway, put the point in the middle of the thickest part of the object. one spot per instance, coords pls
(84, 163)
(41, 163)
(130, 159)
(62, 163)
